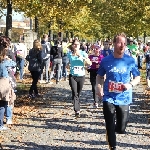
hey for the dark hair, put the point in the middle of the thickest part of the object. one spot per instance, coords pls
(56, 42)
(4, 44)
(44, 36)
(4, 41)
(75, 40)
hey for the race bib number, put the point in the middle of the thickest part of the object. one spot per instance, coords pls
(78, 69)
(19, 54)
(115, 87)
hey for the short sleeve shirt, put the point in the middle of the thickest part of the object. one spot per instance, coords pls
(117, 72)
(77, 63)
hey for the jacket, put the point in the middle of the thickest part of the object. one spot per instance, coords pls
(6, 91)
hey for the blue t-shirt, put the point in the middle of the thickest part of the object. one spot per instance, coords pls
(77, 63)
(117, 72)
(106, 52)
(4, 67)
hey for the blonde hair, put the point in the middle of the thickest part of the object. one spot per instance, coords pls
(37, 45)
(119, 34)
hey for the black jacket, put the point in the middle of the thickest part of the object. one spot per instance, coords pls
(56, 52)
(35, 59)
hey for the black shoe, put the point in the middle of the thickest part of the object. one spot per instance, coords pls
(31, 96)
(77, 114)
(38, 95)
(113, 148)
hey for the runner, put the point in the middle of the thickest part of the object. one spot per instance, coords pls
(77, 59)
(116, 91)
(106, 51)
(95, 59)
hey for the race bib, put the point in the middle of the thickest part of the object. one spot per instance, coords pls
(19, 54)
(115, 87)
(78, 69)
(95, 59)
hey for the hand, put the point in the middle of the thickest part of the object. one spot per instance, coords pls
(99, 92)
(78, 54)
(127, 86)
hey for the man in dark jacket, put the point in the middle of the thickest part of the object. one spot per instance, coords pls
(57, 54)
(46, 60)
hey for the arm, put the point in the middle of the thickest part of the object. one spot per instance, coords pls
(134, 82)
(40, 57)
(85, 58)
(136, 78)
(48, 49)
(99, 85)
(11, 63)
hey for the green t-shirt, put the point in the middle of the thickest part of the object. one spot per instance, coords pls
(133, 48)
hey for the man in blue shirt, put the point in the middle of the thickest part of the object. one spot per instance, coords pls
(106, 51)
(116, 90)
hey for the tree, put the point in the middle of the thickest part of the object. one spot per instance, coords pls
(9, 18)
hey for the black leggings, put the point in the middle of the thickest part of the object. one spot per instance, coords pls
(93, 74)
(35, 76)
(76, 84)
(122, 113)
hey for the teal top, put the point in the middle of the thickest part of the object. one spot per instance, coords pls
(77, 63)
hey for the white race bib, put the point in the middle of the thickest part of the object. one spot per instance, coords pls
(78, 69)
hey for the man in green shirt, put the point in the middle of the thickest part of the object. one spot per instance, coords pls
(133, 48)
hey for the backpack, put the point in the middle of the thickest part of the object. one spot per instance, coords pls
(34, 64)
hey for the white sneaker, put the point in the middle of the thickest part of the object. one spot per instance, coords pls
(9, 121)
(42, 81)
(50, 82)
(95, 105)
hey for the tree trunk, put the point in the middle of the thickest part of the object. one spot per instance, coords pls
(37, 27)
(9, 18)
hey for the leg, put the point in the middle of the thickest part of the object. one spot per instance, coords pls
(9, 113)
(80, 82)
(122, 113)
(31, 87)
(109, 116)
(22, 61)
(64, 69)
(148, 78)
(93, 83)
(73, 85)
(42, 68)
(53, 68)
(35, 77)
(93, 89)
(2, 110)
(47, 64)
(59, 63)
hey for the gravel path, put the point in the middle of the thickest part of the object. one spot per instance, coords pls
(53, 126)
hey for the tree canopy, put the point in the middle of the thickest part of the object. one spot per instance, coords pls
(88, 18)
